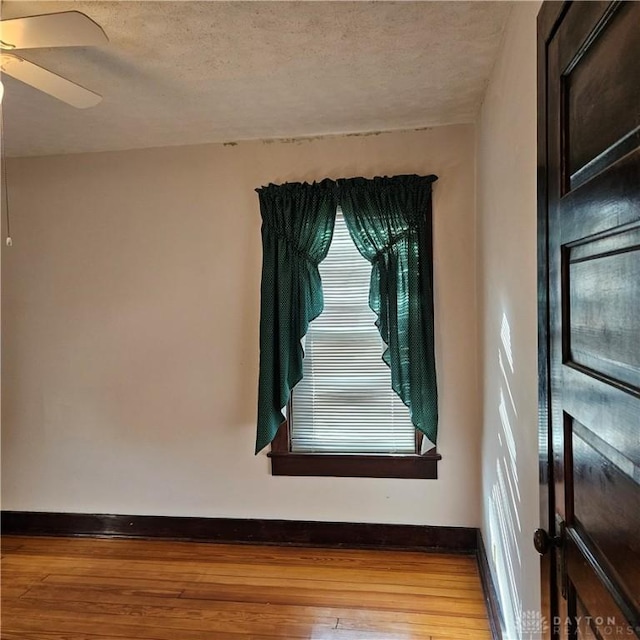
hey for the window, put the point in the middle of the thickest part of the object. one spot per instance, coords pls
(345, 403)
(344, 418)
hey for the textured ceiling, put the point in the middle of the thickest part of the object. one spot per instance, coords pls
(182, 72)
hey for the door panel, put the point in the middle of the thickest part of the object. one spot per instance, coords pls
(595, 610)
(603, 323)
(603, 494)
(591, 280)
(598, 99)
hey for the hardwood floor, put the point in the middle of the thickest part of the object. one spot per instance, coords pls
(88, 589)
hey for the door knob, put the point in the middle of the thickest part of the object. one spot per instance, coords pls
(542, 541)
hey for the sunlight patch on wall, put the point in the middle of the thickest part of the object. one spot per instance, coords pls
(505, 336)
(505, 501)
(506, 436)
(505, 378)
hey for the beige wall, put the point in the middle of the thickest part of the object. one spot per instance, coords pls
(506, 185)
(130, 331)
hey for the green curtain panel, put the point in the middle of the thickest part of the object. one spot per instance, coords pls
(390, 222)
(297, 226)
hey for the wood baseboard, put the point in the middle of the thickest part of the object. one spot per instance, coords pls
(489, 588)
(232, 530)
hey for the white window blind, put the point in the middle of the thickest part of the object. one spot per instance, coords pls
(345, 403)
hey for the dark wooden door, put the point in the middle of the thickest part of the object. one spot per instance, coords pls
(589, 244)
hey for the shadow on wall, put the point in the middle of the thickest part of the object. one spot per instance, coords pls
(504, 506)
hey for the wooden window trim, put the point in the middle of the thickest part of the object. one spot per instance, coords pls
(347, 465)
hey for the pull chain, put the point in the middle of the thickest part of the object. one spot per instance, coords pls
(5, 184)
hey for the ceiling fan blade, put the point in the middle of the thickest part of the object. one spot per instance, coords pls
(64, 29)
(49, 82)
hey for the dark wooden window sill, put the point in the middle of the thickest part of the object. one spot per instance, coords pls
(425, 466)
